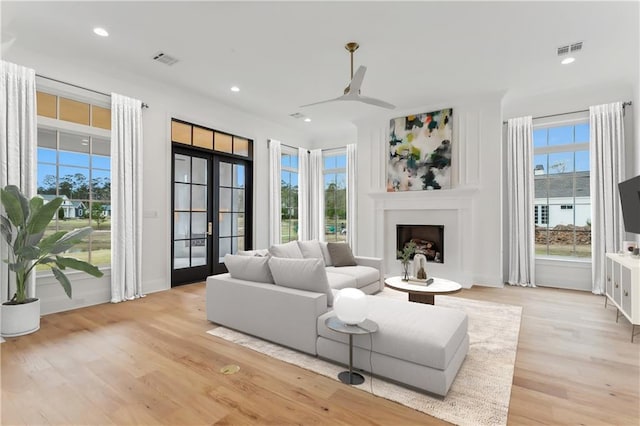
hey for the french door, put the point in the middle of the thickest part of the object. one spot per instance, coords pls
(211, 212)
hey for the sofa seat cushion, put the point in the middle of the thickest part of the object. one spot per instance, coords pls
(340, 281)
(423, 334)
(364, 275)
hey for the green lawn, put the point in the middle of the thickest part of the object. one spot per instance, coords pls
(564, 250)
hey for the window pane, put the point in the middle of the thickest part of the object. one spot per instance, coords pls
(101, 243)
(101, 146)
(224, 247)
(223, 142)
(198, 225)
(294, 161)
(238, 200)
(74, 182)
(240, 146)
(224, 224)
(561, 162)
(582, 161)
(225, 200)
(560, 135)
(341, 161)
(285, 161)
(329, 162)
(101, 162)
(74, 143)
(199, 252)
(46, 155)
(47, 182)
(181, 254)
(101, 185)
(582, 133)
(539, 138)
(540, 164)
(238, 219)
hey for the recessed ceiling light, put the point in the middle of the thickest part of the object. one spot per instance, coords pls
(568, 60)
(235, 89)
(307, 120)
(101, 32)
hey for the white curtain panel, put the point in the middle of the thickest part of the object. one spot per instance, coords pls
(352, 190)
(303, 194)
(126, 198)
(18, 145)
(316, 196)
(607, 170)
(275, 207)
(520, 201)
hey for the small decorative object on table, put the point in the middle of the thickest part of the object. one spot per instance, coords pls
(405, 258)
(628, 247)
(420, 267)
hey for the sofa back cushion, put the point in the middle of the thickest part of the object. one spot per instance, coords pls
(249, 268)
(311, 249)
(341, 254)
(289, 250)
(303, 274)
(259, 253)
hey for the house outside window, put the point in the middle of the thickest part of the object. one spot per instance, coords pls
(289, 195)
(335, 195)
(562, 190)
(74, 163)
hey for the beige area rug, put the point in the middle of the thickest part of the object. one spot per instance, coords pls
(480, 393)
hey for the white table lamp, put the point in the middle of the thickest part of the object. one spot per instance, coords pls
(351, 306)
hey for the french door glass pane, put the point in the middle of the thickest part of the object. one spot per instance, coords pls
(225, 200)
(224, 247)
(238, 220)
(182, 228)
(238, 200)
(182, 168)
(225, 224)
(198, 252)
(238, 176)
(181, 254)
(181, 196)
(199, 198)
(225, 174)
(198, 225)
(199, 171)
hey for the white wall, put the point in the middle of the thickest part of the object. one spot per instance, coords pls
(476, 163)
(165, 102)
(576, 274)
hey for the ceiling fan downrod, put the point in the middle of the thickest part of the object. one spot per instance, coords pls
(351, 47)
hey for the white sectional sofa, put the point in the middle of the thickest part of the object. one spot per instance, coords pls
(419, 345)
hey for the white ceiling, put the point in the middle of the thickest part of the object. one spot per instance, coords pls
(283, 55)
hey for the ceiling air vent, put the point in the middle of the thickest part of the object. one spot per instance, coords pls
(576, 47)
(563, 50)
(296, 115)
(570, 48)
(164, 58)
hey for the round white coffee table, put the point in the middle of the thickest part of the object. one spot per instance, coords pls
(421, 293)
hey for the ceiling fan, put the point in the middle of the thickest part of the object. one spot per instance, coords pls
(352, 91)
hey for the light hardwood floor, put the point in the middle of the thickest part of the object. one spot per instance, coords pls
(150, 361)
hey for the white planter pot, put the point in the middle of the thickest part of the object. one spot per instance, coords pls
(18, 320)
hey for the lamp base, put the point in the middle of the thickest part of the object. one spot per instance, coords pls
(351, 378)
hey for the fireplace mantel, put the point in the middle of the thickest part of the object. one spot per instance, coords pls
(452, 208)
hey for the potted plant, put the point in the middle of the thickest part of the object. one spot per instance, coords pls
(23, 229)
(405, 258)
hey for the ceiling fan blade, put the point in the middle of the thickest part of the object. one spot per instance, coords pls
(321, 102)
(356, 81)
(376, 102)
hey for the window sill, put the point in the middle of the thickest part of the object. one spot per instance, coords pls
(45, 275)
(577, 261)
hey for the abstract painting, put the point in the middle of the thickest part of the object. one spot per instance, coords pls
(420, 152)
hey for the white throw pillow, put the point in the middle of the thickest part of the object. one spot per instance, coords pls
(303, 274)
(289, 250)
(325, 253)
(250, 268)
(311, 249)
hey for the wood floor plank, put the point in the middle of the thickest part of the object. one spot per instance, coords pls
(150, 361)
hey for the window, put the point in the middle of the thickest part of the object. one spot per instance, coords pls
(335, 195)
(289, 195)
(562, 192)
(74, 163)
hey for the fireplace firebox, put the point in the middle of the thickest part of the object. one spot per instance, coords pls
(429, 240)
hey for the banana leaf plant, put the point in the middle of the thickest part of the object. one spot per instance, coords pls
(23, 229)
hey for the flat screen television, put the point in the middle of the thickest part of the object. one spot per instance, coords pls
(630, 200)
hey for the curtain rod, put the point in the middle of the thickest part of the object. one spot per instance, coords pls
(80, 87)
(624, 105)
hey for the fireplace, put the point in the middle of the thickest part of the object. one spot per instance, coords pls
(429, 240)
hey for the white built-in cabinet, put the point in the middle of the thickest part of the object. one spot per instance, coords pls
(622, 286)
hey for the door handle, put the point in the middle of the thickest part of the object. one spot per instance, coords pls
(210, 228)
